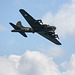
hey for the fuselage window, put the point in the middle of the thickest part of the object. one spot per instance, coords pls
(27, 28)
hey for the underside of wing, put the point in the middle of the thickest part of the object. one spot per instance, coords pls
(33, 23)
(49, 37)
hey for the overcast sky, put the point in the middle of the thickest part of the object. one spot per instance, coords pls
(36, 55)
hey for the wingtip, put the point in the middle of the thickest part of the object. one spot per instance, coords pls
(10, 23)
(59, 44)
(21, 10)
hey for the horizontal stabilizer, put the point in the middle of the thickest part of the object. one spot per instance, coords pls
(22, 33)
(17, 29)
(14, 26)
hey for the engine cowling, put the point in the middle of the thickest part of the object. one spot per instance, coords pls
(56, 36)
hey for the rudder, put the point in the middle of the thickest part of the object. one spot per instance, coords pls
(19, 24)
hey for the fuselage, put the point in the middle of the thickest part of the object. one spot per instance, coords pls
(43, 27)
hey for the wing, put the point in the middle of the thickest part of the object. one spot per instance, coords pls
(33, 23)
(49, 37)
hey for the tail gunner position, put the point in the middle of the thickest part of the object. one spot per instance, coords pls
(45, 30)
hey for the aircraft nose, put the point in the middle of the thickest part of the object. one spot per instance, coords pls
(55, 28)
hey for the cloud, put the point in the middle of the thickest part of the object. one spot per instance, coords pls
(64, 19)
(37, 64)
(2, 28)
(34, 63)
(70, 66)
(73, 1)
(30, 63)
(56, 52)
(7, 67)
(52, 51)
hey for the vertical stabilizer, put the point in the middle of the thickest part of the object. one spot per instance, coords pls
(19, 24)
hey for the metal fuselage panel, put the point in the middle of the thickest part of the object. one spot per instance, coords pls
(29, 29)
(42, 28)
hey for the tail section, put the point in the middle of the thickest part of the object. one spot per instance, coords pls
(19, 24)
(17, 28)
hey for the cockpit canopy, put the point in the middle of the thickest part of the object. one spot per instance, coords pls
(46, 25)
